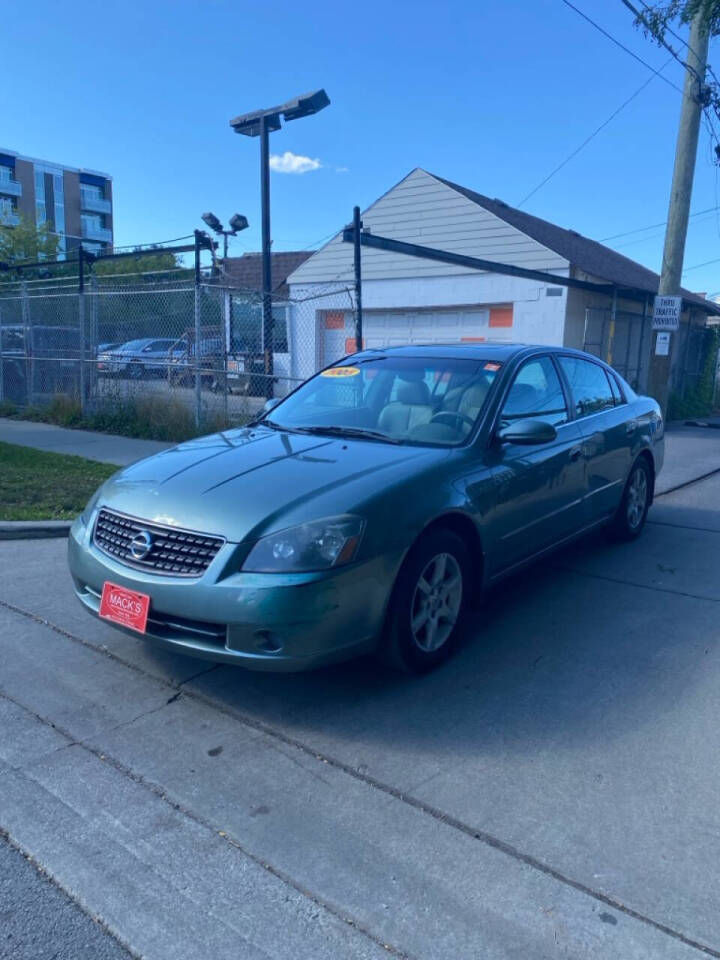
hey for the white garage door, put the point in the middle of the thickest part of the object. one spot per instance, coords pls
(387, 328)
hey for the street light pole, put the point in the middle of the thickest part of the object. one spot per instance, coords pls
(267, 318)
(261, 123)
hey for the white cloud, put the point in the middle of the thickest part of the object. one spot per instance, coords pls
(342, 169)
(293, 163)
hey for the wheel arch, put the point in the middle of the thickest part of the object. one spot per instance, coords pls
(463, 526)
(647, 456)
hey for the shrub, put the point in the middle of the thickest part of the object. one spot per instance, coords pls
(150, 418)
(698, 402)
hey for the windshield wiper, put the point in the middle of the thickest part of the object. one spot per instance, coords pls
(338, 431)
(264, 422)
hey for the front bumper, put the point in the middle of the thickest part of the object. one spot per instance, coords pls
(263, 621)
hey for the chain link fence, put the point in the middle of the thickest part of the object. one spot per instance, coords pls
(158, 346)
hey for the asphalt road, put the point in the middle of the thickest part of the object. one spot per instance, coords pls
(551, 792)
(38, 921)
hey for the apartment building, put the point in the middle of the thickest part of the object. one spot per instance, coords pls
(76, 203)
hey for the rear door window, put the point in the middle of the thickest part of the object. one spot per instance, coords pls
(589, 386)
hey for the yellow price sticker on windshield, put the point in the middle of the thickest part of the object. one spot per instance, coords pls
(340, 372)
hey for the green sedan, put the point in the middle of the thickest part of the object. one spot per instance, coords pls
(366, 511)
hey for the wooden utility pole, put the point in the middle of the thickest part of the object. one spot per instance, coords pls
(683, 173)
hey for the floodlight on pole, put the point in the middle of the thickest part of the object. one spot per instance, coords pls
(237, 223)
(261, 123)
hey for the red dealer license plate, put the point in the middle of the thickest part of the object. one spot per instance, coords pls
(125, 607)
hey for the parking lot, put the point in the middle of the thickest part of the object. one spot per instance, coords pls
(551, 792)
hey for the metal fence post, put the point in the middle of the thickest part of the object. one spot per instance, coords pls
(198, 374)
(94, 383)
(227, 344)
(2, 362)
(81, 324)
(357, 227)
(28, 341)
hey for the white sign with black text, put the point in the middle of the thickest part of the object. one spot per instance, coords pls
(662, 344)
(666, 313)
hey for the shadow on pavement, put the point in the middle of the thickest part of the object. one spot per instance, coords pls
(553, 657)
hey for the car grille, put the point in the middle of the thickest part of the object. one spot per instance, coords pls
(181, 553)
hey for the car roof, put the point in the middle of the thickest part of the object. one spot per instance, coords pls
(480, 350)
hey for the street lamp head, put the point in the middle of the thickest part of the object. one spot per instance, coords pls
(238, 222)
(212, 221)
(303, 106)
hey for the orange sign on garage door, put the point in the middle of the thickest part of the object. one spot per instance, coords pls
(501, 316)
(334, 320)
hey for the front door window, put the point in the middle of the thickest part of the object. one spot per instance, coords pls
(536, 393)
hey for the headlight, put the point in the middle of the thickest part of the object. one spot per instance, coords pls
(319, 545)
(91, 504)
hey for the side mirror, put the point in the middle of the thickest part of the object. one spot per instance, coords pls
(527, 432)
(269, 404)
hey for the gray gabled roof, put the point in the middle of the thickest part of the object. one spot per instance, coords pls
(589, 255)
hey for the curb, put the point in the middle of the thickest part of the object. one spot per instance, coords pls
(34, 529)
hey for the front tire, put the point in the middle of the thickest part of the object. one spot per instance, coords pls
(428, 604)
(632, 512)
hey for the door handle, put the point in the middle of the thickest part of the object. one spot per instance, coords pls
(575, 453)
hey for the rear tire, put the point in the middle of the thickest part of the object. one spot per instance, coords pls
(428, 603)
(629, 520)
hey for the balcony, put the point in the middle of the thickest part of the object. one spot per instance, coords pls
(11, 188)
(9, 219)
(94, 204)
(99, 234)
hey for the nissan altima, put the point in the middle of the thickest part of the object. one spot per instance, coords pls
(370, 508)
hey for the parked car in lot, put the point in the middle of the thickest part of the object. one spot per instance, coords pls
(137, 358)
(370, 507)
(39, 360)
(181, 369)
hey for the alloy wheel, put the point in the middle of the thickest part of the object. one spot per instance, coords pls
(436, 602)
(637, 498)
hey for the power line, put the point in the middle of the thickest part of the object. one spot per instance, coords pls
(621, 45)
(654, 226)
(587, 140)
(159, 243)
(696, 266)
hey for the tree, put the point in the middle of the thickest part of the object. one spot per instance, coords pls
(146, 263)
(656, 18)
(26, 241)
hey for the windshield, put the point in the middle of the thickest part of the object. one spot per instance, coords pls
(422, 400)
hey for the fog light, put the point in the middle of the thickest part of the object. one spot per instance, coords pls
(268, 642)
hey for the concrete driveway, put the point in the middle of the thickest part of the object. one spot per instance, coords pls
(552, 792)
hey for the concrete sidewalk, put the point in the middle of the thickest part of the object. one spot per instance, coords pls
(106, 447)
(690, 453)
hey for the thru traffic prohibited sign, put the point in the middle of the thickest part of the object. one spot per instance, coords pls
(666, 313)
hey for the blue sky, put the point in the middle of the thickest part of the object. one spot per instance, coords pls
(491, 94)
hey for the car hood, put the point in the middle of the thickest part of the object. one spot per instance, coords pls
(242, 483)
